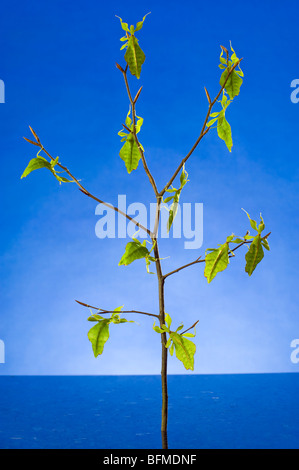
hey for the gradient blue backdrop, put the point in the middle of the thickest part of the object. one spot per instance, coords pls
(58, 64)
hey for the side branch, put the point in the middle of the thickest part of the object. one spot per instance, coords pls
(199, 260)
(100, 310)
(87, 193)
(190, 328)
(204, 130)
(133, 102)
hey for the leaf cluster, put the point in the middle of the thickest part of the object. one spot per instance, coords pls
(217, 259)
(134, 55)
(137, 250)
(178, 342)
(99, 334)
(129, 152)
(175, 197)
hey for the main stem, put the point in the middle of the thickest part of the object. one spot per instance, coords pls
(164, 416)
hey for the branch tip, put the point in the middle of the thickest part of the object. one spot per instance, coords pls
(34, 134)
(208, 96)
(137, 95)
(119, 67)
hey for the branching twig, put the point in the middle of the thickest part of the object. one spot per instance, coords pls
(199, 260)
(101, 310)
(84, 190)
(203, 132)
(133, 102)
(185, 331)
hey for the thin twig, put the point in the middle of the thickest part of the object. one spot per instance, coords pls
(199, 260)
(87, 193)
(101, 310)
(203, 132)
(185, 331)
(132, 102)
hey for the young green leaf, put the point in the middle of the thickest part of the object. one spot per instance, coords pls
(40, 162)
(124, 26)
(98, 335)
(157, 328)
(134, 250)
(224, 131)
(254, 255)
(168, 320)
(216, 261)
(140, 23)
(265, 244)
(129, 153)
(234, 81)
(35, 164)
(175, 198)
(233, 84)
(253, 223)
(184, 350)
(134, 56)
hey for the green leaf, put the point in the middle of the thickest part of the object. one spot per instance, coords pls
(168, 320)
(261, 225)
(124, 26)
(128, 120)
(148, 260)
(98, 335)
(54, 162)
(216, 261)
(224, 131)
(237, 240)
(129, 153)
(134, 250)
(183, 177)
(173, 210)
(184, 350)
(210, 123)
(134, 56)
(253, 223)
(61, 179)
(265, 244)
(40, 162)
(138, 124)
(157, 329)
(175, 198)
(233, 84)
(140, 23)
(35, 164)
(254, 255)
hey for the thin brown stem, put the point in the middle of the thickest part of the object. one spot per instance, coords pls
(203, 132)
(190, 328)
(87, 193)
(199, 260)
(101, 310)
(164, 351)
(133, 102)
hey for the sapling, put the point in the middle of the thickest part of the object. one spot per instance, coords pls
(174, 339)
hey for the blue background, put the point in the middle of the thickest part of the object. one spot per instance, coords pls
(58, 64)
